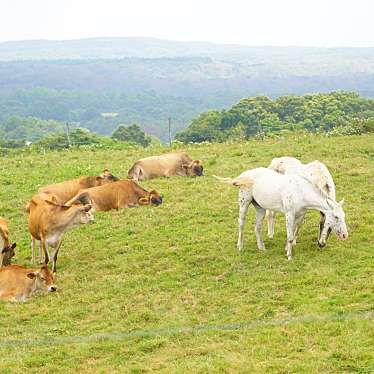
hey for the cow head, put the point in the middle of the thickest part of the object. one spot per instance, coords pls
(43, 278)
(153, 198)
(79, 213)
(85, 213)
(194, 168)
(106, 177)
(7, 253)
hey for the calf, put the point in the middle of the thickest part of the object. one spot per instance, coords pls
(166, 165)
(117, 195)
(48, 221)
(18, 283)
(6, 249)
(64, 191)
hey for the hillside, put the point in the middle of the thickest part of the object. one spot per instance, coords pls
(148, 80)
(164, 288)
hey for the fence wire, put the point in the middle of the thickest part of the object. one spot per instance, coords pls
(241, 326)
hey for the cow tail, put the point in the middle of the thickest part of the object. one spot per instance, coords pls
(134, 172)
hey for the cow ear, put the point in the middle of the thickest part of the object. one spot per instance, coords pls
(32, 275)
(143, 201)
(14, 245)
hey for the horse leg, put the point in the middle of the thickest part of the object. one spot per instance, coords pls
(290, 225)
(298, 222)
(260, 215)
(271, 223)
(244, 200)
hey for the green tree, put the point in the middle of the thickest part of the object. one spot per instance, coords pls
(133, 134)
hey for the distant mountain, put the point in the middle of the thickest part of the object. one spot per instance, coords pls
(147, 80)
(295, 60)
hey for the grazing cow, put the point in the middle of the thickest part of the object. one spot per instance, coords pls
(117, 195)
(166, 165)
(64, 191)
(18, 283)
(48, 221)
(6, 249)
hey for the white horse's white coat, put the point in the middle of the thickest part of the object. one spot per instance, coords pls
(289, 194)
(316, 172)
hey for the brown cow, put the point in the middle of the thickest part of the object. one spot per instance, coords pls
(117, 195)
(64, 191)
(48, 221)
(18, 283)
(6, 249)
(166, 165)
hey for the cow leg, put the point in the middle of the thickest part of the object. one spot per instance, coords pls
(32, 250)
(54, 256)
(40, 252)
(45, 250)
(290, 225)
(271, 223)
(244, 201)
(260, 215)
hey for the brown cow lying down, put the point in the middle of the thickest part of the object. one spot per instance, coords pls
(117, 195)
(6, 249)
(64, 191)
(166, 165)
(18, 283)
(48, 221)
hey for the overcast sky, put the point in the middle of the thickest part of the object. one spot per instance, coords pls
(324, 23)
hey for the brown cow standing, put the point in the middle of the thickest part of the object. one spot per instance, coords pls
(49, 221)
(18, 283)
(66, 190)
(6, 249)
(117, 195)
(166, 165)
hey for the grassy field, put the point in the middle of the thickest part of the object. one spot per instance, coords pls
(153, 270)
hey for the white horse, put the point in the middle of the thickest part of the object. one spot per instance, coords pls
(289, 194)
(315, 171)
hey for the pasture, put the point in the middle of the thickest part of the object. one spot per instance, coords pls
(165, 289)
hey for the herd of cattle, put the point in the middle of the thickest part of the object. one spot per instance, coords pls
(59, 207)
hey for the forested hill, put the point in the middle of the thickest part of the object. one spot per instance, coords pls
(145, 81)
(336, 113)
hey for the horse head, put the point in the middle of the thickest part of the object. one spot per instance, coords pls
(332, 219)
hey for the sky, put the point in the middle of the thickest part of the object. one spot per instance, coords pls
(321, 23)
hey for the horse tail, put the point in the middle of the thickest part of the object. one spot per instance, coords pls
(237, 182)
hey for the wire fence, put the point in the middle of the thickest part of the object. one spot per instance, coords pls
(235, 327)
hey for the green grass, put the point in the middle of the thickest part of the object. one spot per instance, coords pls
(176, 265)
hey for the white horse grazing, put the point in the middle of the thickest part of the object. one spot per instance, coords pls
(315, 171)
(289, 194)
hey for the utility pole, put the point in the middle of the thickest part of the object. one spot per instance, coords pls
(169, 119)
(68, 134)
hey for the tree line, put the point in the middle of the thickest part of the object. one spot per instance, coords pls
(335, 113)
